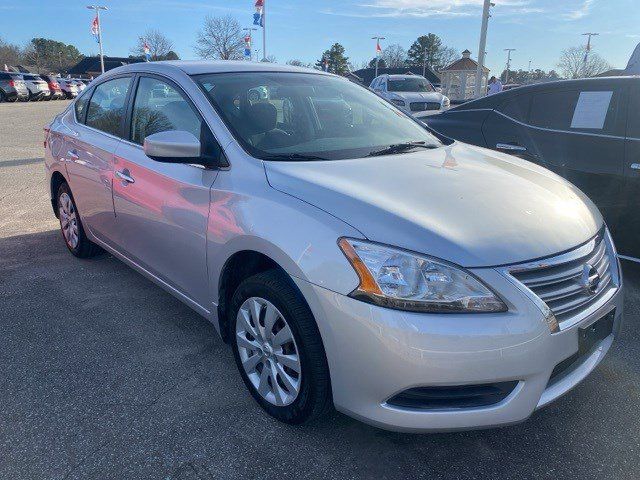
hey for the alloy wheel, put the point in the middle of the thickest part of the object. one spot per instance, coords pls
(68, 219)
(268, 351)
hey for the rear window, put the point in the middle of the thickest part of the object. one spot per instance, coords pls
(107, 106)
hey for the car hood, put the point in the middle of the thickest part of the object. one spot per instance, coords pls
(465, 204)
(418, 96)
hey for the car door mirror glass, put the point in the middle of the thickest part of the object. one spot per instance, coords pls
(173, 146)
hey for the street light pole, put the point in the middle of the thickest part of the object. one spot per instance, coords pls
(508, 50)
(377, 39)
(97, 8)
(588, 35)
(486, 13)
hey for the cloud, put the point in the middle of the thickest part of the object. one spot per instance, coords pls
(581, 11)
(431, 8)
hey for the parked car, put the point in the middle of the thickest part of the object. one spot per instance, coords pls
(37, 86)
(585, 130)
(54, 87)
(412, 93)
(412, 284)
(79, 83)
(68, 87)
(12, 87)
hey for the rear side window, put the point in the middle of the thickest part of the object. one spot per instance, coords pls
(576, 110)
(159, 107)
(81, 106)
(106, 110)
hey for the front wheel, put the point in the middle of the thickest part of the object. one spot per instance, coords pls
(71, 226)
(278, 349)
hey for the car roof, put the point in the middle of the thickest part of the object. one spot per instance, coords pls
(492, 101)
(401, 76)
(197, 67)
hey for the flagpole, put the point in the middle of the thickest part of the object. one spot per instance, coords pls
(264, 31)
(377, 39)
(97, 8)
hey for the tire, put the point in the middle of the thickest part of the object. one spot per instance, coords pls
(78, 243)
(3, 98)
(313, 397)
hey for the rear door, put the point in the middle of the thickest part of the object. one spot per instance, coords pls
(89, 148)
(627, 232)
(579, 134)
(162, 208)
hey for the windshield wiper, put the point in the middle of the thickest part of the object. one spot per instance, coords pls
(401, 148)
(291, 157)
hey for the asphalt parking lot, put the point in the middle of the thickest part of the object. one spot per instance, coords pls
(104, 375)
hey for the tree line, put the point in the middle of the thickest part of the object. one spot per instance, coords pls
(221, 38)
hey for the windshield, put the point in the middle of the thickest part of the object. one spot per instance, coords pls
(409, 84)
(299, 116)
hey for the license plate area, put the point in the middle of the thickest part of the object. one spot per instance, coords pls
(590, 335)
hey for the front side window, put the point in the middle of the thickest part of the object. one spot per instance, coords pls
(298, 116)
(409, 84)
(159, 107)
(107, 107)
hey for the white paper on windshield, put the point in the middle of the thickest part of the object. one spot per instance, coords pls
(591, 110)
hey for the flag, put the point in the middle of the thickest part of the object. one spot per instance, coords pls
(95, 25)
(378, 49)
(145, 48)
(258, 17)
(247, 46)
(326, 64)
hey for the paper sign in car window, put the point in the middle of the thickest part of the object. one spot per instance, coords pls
(591, 110)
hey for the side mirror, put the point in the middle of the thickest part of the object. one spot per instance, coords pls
(172, 146)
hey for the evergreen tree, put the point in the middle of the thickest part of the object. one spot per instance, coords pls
(338, 62)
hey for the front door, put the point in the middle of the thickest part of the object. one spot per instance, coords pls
(579, 134)
(628, 231)
(162, 208)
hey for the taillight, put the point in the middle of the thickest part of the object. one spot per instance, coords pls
(12, 83)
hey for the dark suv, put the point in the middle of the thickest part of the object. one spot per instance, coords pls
(587, 131)
(12, 87)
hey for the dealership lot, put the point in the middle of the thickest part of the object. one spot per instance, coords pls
(107, 376)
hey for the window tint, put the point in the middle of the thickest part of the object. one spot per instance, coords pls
(409, 84)
(575, 110)
(517, 107)
(81, 106)
(107, 106)
(159, 107)
(633, 127)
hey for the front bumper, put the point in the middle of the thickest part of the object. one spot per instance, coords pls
(375, 353)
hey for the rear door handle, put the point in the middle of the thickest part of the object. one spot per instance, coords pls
(125, 176)
(510, 147)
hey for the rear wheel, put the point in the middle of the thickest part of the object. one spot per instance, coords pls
(3, 98)
(278, 349)
(71, 226)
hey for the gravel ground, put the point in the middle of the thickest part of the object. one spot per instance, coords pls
(104, 375)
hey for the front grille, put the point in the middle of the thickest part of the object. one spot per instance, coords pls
(424, 106)
(569, 287)
(459, 396)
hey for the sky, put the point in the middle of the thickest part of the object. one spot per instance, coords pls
(302, 29)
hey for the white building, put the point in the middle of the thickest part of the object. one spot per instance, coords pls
(459, 78)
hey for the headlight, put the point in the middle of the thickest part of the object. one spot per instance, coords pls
(397, 102)
(446, 103)
(406, 281)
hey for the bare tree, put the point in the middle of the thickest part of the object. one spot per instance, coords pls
(9, 54)
(159, 45)
(446, 57)
(270, 59)
(220, 38)
(572, 63)
(394, 56)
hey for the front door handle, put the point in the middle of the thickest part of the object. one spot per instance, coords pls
(635, 166)
(125, 176)
(73, 155)
(510, 147)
